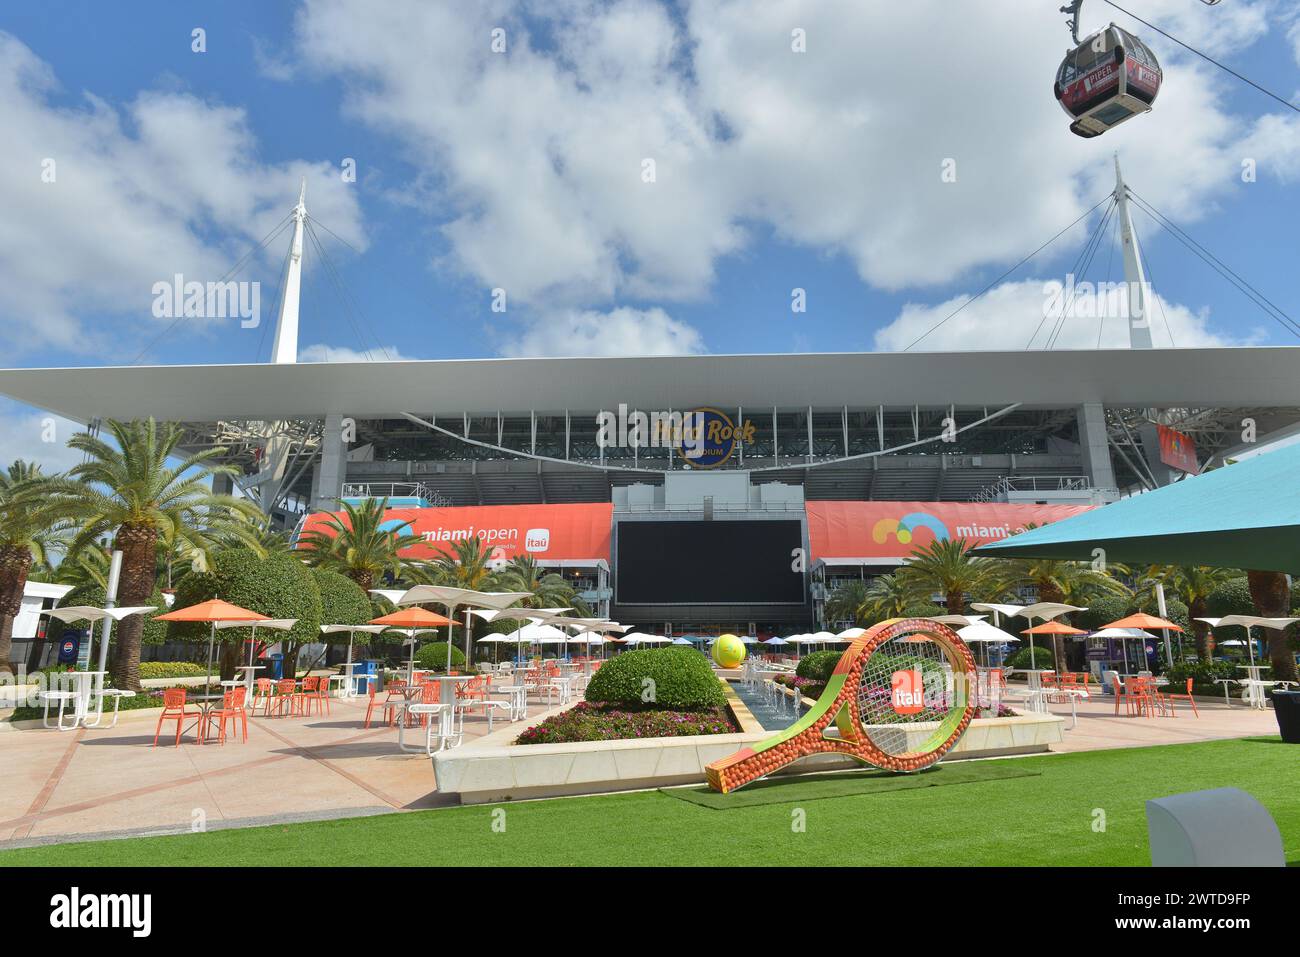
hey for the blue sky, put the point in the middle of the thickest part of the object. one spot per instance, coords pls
(521, 170)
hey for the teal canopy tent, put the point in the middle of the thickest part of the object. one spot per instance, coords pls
(1244, 515)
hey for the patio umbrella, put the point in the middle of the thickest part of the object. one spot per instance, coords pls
(1124, 635)
(852, 633)
(1050, 628)
(981, 632)
(351, 630)
(452, 597)
(411, 620)
(92, 614)
(1251, 621)
(682, 641)
(279, 624)
(210, 612)
(1244, 515)
(776, 642)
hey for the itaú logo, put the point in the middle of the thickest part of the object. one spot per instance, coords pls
(906, 692)
(537, 539)
(903, 529)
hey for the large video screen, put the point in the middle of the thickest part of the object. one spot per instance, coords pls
(708, 563)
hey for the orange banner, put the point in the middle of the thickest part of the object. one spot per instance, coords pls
(547, 532)
(1177, 450)
(893, 529)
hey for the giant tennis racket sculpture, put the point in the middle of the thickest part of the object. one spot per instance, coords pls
(899, 699)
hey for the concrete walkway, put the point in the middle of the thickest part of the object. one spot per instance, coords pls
(65, 786)
(112, 782)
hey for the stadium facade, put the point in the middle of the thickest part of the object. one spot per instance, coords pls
(707, 492)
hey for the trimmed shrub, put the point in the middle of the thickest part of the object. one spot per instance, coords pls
(818, 666)
(1230, 598)
(1175, 611)
(682, 679)
(1043, 658)
(434, 656)
(342, 602)
(1203, 675)
(278, 586)
(155, 632)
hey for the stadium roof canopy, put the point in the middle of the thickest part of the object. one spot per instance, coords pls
(1230, 378)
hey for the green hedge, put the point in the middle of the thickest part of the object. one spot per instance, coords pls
(1043, 658)
(1203, 675)
(682, 679)
(171, 669)
(434, 655)
(278, 586)
(818, 666)
(342, 602)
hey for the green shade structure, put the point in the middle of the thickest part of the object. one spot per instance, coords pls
(1244, 515)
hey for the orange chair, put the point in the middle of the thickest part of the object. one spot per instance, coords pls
(1171, 698)
(286, 695)
(174, 710)
(388, 711)
(323, 694)
(263, 692)
(232, 709)
(429, 693)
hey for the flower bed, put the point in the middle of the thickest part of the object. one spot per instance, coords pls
(595, 721)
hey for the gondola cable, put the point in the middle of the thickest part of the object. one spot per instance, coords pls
(1204, 56)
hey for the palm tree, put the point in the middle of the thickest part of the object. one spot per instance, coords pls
(947, 567)
(548, 589)
(1272, 599)
(28, 528)
(465, 566)
(886, 597)
(845, 600)
(1073, 583)
(133, 493)
(1193, 584)
(359, 543)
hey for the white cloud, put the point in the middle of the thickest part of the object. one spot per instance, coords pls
(538, 151)
(167, 184)
(619, 332)
(321, 352)
(1015, 315)
(35, 436)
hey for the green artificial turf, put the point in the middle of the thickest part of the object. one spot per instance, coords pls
(1079, 809)
(815, 787)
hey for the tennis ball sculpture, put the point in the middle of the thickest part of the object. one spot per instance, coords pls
(728, 651)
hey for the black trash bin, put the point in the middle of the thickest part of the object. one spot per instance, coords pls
(1286, 705)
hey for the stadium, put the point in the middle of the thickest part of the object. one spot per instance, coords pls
(705, 493)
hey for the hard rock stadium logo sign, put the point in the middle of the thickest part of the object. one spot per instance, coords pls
(704, 438)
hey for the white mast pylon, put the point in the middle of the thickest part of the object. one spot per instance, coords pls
(1135, 277)
(286, 324)
(284, 352)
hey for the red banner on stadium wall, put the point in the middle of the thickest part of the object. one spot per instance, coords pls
(893, 529)
(1177, 450)
(547, 532)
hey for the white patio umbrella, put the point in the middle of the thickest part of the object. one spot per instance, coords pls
(92, 614)
(334, 630)
(1125, 635)
(982, 633)
(1046, 610)
(410, 634)
(852, 633)
(776, 642)
(278, 624)
(682, 641)
(452, 597)
(1248, 622)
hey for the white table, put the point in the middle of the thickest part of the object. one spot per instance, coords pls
(518, 697)
(446, 724)
(83, 686)
(250, 677)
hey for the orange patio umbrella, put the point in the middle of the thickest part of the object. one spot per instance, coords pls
(212, 611)
(1143, 620)
(1053, 628)
(411, 620)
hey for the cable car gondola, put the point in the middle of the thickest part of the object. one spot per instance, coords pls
(1110, 77)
